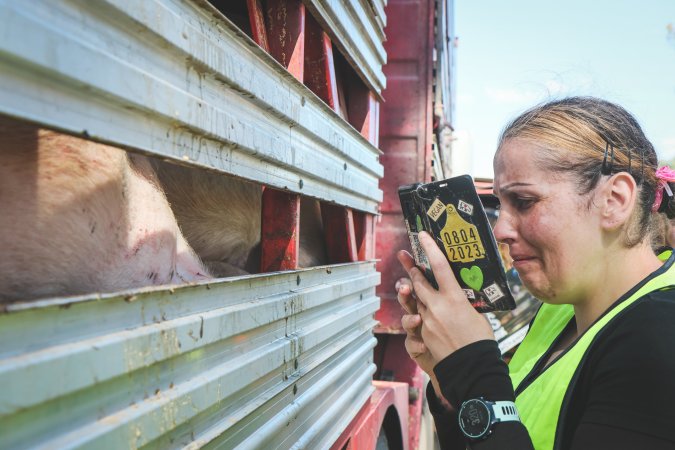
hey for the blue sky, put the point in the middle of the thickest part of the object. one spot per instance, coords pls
(514, 54)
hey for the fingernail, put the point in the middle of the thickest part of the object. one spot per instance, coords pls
(398, 285)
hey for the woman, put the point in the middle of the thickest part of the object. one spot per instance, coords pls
(579, 189)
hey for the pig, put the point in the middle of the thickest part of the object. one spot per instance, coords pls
(79, 216)
(220, 217)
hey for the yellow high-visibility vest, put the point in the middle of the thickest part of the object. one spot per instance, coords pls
(540, 403)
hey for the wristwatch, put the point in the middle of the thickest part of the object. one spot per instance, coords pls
(477, 416)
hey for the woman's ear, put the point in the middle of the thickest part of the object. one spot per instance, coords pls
(619, 196)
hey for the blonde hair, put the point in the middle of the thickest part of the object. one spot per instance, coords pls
(580, 136)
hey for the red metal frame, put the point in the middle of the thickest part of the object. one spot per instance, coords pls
(257, 19)
(339, 231)
(364, 235)
(319, 66)
(394, 363)
(286, 27)
(406, 129)
(295, 39)
(405, 135)
(280, 230)
(364, 429)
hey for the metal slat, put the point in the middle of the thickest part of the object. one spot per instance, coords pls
(380, 15)
(181, 81)
(276, 361)
(354, 30)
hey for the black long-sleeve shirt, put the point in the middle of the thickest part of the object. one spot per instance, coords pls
(624, 397)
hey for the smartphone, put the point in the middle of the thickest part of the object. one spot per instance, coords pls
(452, 213)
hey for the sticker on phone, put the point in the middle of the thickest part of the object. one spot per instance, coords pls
(436, 210)
(470, 294)
(493, 292)
(465, 207)
(460, 238)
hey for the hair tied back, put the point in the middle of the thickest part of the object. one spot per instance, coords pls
(664, 175)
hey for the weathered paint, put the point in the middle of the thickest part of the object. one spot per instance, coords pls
(319, 75)
(286, 24)
(363, 431)
(256, 361)
(184, 83)
(405, 136)
(280, 230)
(257, 21)
(357, 33)
(339, 232)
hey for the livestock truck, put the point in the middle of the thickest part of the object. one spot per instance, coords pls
(340, 101)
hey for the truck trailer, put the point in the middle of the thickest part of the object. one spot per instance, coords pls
(336, 101)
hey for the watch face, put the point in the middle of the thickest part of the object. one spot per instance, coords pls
(474, 418)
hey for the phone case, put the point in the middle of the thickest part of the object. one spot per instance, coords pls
(451, 211)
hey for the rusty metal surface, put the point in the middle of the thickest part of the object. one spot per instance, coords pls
(276, 361)
(286, 22)
(394, 363)
(178, 79)
(358, 31)
(280, 234)
(405, 135)
(319, 74)
(271, 361)
(388, 403)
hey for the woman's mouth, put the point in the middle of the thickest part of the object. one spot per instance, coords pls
(522, 261)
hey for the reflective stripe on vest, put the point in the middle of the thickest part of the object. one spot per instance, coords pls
(540, 403)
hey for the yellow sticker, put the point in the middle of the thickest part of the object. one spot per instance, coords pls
(460, 238)
(436, 210)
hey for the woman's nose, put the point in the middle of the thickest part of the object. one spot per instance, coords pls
(504, 229)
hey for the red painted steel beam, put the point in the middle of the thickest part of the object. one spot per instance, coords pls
(279, 234)
(319, 73)
(363, 110)
(362, 432)
(394, 363)
(405, 136)
(338, 224)
(286, 34)
(257, 20)
(364, 232)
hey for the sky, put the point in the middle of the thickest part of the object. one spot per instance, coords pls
(514, 54)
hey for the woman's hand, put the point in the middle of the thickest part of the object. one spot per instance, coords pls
(445, 320)
(412, 322)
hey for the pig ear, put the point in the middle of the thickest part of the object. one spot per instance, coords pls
(618, 200)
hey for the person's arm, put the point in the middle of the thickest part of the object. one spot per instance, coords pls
(477, 370)
(447, 427)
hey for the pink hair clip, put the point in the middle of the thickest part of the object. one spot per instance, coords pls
(665, 175)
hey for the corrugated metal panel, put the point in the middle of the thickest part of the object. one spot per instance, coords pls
(277, 361)
(271, 361)
(358, 32)
(378, 8)
(178, 79)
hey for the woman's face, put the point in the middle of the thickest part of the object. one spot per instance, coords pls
(552, 232)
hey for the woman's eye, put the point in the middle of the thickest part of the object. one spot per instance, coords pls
(523, 203)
